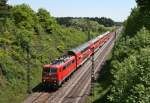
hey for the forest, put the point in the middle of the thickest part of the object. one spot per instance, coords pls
(30, 39)
(69, 21)
(128, 77)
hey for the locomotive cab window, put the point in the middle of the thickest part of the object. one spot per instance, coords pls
(50, 70)
(53, 70)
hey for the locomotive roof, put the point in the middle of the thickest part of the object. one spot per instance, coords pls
(61, 60)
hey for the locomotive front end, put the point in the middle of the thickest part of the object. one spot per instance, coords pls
(49, 75)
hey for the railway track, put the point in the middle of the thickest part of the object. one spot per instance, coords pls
(74, 90)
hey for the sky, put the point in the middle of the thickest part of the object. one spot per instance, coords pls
(117, 10)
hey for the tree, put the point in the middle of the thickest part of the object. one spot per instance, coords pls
(144, 6)
(24, 17)
(143, 3)
(4, 14)
(134, 22)
(4, 9)
(45, 19)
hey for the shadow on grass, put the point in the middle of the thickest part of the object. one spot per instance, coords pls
(103, 99)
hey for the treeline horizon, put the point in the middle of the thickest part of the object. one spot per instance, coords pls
(108, 22)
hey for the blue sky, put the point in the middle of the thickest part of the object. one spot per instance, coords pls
(118, 10)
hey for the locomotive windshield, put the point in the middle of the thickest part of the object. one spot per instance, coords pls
(50, 70)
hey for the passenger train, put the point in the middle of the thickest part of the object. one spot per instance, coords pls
(62, 68)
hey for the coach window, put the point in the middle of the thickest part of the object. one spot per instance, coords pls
(72, 61)
(69, 64)
(79, 57)
(64, 67)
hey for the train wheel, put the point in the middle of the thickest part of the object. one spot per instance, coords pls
(59, 84)
(69, 77)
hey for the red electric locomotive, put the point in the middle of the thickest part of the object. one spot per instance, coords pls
(60, 69)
